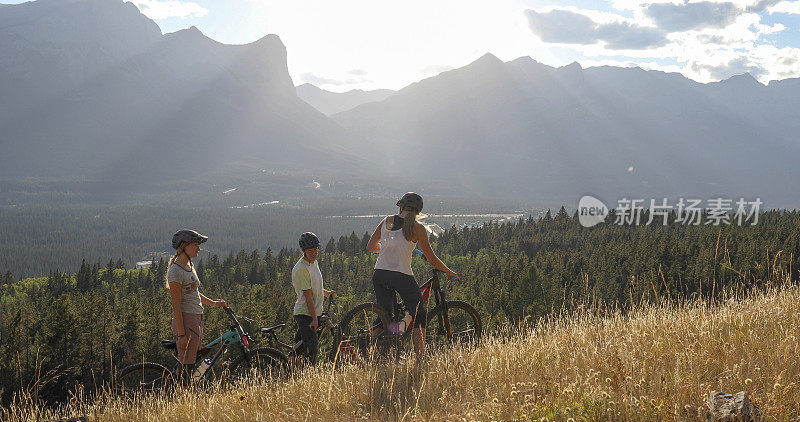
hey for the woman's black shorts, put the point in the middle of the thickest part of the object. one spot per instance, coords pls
(386, 282)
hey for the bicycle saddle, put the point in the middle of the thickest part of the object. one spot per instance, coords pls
(273, 328)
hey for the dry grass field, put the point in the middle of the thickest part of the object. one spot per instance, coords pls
(657, 362)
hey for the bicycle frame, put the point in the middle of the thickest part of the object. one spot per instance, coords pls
(236, 334)
(434, 285)
(324, 324)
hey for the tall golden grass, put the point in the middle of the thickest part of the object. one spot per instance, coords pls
(657, 362)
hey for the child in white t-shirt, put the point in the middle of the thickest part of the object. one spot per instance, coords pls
(307, 283)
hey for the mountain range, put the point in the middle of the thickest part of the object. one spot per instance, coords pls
(92, 89)
(335, 102)
(543, 132)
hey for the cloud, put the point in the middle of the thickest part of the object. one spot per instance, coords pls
(705, 40)
(737, 66)
(623, 35)
(562, 26)
(789, 7)
(683, 17)
(354, 81)
(767, 30)
(162, 9)
(762, 5)
(357, 72)
(570, 27)
(713, 39)
(319, 80)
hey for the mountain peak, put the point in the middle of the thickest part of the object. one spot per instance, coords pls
(271, 43)
(191, 34)
(744, 78)
(486, 63)
(488, 58)
(191, 31)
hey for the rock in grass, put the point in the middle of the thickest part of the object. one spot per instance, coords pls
(732, 407)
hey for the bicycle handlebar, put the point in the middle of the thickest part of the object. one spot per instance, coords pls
(331, 301)
(422, 254)
(229, 311)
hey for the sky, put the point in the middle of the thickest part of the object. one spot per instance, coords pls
(340, 45)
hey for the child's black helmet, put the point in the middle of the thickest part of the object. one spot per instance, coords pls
(308, 240)
(187, 236)
(411, 200)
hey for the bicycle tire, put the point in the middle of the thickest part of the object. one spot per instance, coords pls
(465, 325)
(326, 342)
(353, 336)
(142, 378)
(263, 362)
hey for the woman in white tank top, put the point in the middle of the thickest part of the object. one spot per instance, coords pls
(394, 240)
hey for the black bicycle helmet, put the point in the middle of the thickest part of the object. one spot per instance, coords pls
(187, 236)
(308, 240)
(411, 200)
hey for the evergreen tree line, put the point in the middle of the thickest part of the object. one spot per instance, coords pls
(37, 239)
(68, 330)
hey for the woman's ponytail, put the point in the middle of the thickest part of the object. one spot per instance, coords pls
(408, 223)
(178, 252)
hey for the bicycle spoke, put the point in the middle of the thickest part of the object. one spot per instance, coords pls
(359, 332)
(143, 377)
(460, 325)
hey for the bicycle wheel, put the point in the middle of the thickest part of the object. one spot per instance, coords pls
(263, 363)
(359, 333)
(462, 325)
(143, 377)
(326, 348)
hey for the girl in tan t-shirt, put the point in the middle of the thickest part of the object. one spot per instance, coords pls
(187, 301)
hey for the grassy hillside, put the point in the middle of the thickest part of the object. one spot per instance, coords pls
(656, 362)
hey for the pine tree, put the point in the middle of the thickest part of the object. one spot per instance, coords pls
(83, 278)
(364, 242)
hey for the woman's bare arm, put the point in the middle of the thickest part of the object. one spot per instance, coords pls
(211, 302)
(425, 246)
(374, 244)
(175, 296)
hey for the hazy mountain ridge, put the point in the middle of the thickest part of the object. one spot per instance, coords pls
(182, 103)
(562, 132)
(335, 102)
(114, 100)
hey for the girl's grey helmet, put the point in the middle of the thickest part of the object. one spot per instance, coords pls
(411, 200)
(187, 236)
(308, 240)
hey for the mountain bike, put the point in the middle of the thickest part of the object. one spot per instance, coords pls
(367, 329)
(325, 334)
(248, 361)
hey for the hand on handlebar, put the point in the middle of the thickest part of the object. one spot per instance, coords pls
(220, 303)
(450, 274)
(314, 324)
